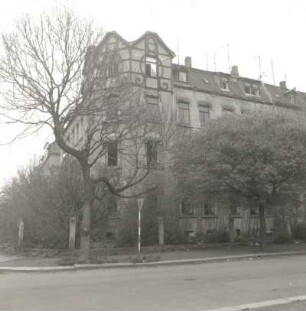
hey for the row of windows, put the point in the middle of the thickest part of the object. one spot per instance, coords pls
(208, 209)
(151, 153)
(184, 113)
(249, 88)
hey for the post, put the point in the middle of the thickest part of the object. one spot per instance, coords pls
(140, 204)
(20, 233)
(161, 240)
(72, 231)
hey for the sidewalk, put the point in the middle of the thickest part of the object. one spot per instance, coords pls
(297, 303)
(39, 264)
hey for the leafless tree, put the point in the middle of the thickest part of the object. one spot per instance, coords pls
(51, 76)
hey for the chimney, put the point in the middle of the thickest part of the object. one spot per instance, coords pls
(188, 62)
(235, 71)
(283, 85)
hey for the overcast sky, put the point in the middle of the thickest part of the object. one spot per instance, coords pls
(269, 30)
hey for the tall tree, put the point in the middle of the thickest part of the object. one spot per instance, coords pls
(259, 157)
(41, 69)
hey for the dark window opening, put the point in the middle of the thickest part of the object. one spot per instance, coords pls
(152, 153)
(112, 153)
(207, 209)
(112, 69)
(151, 67)
(253, 211)
(225, 84)
(251, 89)
(234, 209)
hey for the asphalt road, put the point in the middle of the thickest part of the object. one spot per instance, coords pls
(195, 287)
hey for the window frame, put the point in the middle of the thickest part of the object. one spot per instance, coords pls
(253, 89)
(185, 80)
(225, 80)
(201, 112)
(151, 67)
(183, 106)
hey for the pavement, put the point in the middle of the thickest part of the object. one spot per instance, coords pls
(233, 285)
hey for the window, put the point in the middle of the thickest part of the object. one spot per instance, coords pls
(182, 76)
(152, 153)
(292, 99)
(251, 89)
(203, 114)
(234, 209)
(151, 67)
(112, 69)
(152, 105)
(183, 112)
(225, 84)
(227, 110)
(253, 211)
(112, 153)
(186, 208)
(207, 209)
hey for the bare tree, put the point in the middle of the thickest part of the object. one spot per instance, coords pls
(53, 76)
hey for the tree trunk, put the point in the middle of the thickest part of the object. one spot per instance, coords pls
(262, 224)
(89, 196)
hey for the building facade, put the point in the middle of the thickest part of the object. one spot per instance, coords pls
(194, 96)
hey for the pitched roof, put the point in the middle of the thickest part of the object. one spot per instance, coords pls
(210, 82)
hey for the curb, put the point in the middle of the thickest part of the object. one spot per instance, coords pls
(164, 263)
(262, 304)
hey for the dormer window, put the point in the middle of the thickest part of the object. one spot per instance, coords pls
(225, 84)
(183, 76)
(292, 99)
(151, 67)
(251, 89)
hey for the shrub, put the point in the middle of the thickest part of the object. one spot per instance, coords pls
(217, 237)
(299, 231)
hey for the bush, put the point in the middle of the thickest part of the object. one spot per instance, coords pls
(217, 237)
(282, 238)
(299, 231)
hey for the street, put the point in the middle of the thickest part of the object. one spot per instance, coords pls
(193, 287)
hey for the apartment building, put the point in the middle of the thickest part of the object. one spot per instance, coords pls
(194, 96)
